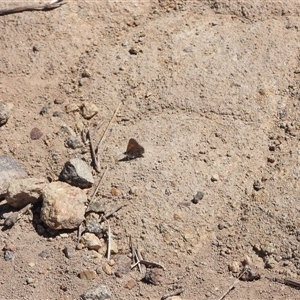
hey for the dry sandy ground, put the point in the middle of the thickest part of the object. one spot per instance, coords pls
(211, 91)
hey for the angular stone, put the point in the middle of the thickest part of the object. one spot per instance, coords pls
(88, 274)
(91, 241)
(9, 171)
(131, 283)
(89, 110)
(77, 173)
(107, 269)
(24, 191)
(73, 142)
(123, 264)
(5, 109)
(101, 292)
(63, 206)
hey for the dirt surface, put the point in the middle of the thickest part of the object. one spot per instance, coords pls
(210, 89)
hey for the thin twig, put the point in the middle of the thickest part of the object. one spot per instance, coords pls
(138, 260)
(174, 293)
(108, 240)
(232, 286)
(105, 131)
(98, 185)
(103, 218)
(287, 281)
(94, 158)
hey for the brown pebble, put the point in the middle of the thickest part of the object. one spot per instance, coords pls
(107, 269)
(87, 274)
(115, 191)
(59, 101)
(131, 283)
(35, 134)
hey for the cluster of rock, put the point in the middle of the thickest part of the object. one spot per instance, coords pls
(63, 202)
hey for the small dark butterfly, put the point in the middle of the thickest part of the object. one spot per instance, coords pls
(134, 149)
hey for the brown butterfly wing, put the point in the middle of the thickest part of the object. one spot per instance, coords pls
(134, 149)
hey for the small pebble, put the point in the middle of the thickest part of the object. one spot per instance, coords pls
(107, 269)
(45, 109)
(29, 280)
(31, 264)
(45, 254)
(199, 196)
(234, 267)
(115, 191)
(131, 283)
(35, 133)
(88, 274)
(9, 255)
(215, 177)
(69, 251)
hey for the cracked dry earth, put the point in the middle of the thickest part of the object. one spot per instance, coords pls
(210, 89)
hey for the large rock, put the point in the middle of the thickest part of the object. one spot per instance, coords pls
(5, 109)
(63, 206)
(77, 173)
(24, 191)
(101, 292)
(9, 171)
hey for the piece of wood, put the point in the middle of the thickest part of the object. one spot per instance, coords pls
(51, 5)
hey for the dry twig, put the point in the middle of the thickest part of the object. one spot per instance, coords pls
(233, 285)
(105, 131)
(94, 158)
(108, 241)
(103, 218)
(51, 5)
(98, 185)
(171, 294)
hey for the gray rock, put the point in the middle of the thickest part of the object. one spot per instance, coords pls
(9, 255)
(5, 109)
(95, 227)
(63, 206)
(101, 292)
(73, 142)
(24, 191)
(9, 171)
(77, 173)
(69, 251)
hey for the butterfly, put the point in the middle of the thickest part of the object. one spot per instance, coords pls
(134, 149)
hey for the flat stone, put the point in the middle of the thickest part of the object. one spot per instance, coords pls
(90, 241)
(24, 191)
(107, 269)
(73, 142)
(9, 171)
(63, 206)
(5, 109)
(131, 283)
(123, 263)
(89, 110)
(76, 172)
(88, 274)
(69, 251)
(101, 292)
